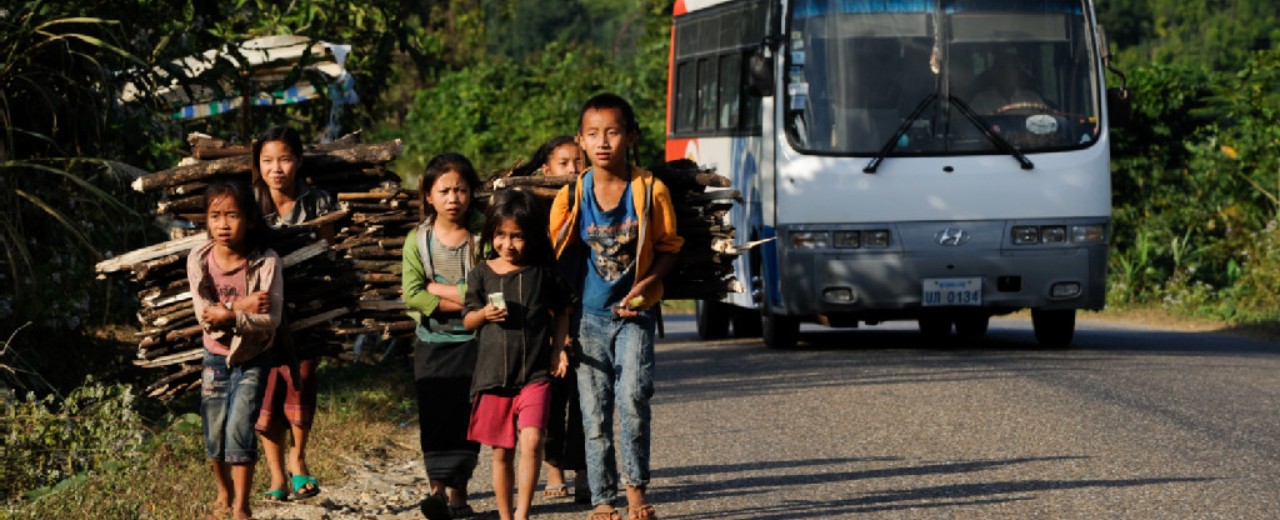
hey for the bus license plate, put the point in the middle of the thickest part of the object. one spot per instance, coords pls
(947, 292)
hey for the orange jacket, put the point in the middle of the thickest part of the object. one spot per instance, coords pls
(654, 210)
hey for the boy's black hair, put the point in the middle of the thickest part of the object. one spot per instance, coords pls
(543, 154)
(529, 214)
(259, 236)
(631, 125)
(438, 166)
(290, 138)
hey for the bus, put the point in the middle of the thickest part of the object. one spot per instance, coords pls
(941, 161)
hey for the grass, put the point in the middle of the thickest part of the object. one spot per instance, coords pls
(361, 408)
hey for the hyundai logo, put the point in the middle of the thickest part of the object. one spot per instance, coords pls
(952, 237)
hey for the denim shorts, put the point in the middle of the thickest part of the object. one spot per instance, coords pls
(230, 398)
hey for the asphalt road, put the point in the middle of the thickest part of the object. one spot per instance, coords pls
(876, 423)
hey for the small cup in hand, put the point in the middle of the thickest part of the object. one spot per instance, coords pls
(496, 300)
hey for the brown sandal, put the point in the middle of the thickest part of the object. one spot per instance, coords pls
(605, 515)
(560, 491)
(644, 512)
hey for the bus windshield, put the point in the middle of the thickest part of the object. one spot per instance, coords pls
(856, 70)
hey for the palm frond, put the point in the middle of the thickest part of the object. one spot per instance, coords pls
(88, 186)
(62, 219)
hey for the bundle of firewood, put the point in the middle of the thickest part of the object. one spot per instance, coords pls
(373, 240)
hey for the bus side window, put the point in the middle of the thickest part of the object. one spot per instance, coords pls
(730, 90)
(686, 97)
(707, 104)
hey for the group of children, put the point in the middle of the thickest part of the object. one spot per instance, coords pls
(509, 302)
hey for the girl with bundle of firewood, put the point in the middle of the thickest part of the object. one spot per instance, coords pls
(289, 402)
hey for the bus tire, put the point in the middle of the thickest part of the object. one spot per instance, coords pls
(972, 327)
(778, 332)
(1054, 328)
(935, 327)
(746, 323)
(712, 319)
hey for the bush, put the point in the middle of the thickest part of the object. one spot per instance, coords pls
(50, 441)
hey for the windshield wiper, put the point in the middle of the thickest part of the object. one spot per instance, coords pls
(995, 138)
(902, 130)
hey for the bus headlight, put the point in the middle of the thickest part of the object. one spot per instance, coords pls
(878, 238)
(846, 239)
(1053, 234)
(1026, 235)
(810, 239)
(1088, 233)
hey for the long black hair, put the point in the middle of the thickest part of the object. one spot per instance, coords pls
(259, 235)
(290, 138)
(543, 154)
(610, 100)
(437, 167)
(529, 214)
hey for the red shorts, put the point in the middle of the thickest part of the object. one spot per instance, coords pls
(497, 418)
(290, 396)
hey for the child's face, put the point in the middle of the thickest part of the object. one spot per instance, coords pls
(450, 196)
(227, 226)
(279, 165)
(508, 241)
(604, 137)
(564, 160)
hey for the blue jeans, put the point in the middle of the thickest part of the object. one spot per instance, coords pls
(230, 398)
(615, 369)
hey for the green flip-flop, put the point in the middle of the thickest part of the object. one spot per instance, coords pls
(300, 483)
(276, 495)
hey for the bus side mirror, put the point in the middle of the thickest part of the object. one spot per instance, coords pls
(1119, 107)
(760, 72)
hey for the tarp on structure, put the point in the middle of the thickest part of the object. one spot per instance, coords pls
(269, 61)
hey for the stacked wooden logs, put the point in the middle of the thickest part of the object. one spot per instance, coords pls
(381, 220)
(704, 269)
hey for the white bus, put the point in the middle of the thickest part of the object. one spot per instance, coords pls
(941, 161)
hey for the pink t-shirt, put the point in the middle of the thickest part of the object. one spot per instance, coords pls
(230, 286)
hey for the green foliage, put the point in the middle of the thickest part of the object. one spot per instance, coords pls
(497, 111)
(55, 200)
(50, 440)
(1214, 34)
(1197, 175)
(1256, 296)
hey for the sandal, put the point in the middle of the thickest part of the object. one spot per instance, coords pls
(301, 483)
(560, 491)
(461, 511)
(644, 512)
(434, 508)
(605, 515)
(276, 495)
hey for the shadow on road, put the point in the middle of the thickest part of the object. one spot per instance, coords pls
(779, 479)
(694, 370)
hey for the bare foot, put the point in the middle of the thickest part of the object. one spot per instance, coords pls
(221, 508)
